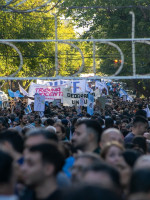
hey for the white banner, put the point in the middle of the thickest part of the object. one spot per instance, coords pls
(70, 99)
(77, 86)
(50, 93)
(53, 83)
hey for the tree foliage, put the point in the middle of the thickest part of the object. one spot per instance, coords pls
(111, 19)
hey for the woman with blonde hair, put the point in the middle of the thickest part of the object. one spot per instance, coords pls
(111, 152)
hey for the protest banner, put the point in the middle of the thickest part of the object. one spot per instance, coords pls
(77, 86)
(50, 93)
(70, 99)
(53, 83)
(90, 106)
(39, 103)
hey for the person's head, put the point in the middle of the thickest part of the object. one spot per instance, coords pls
(141, 112)
(140, 142)
(126, 164)
(87, 133)
(42, 163)
(37, 122)
(7, 177)
(140, 182)
(49, 122)
(15, 123)
(81, 162)
(11, 142)
(102, 175)
(139, 196)
(111, 152)
(39, 136)
(140, 125)
(3, 124)
(111, 134)
(142, 162)
(51, 129)
(90, 193)
(23, 119)
(65, 122)
(31, 118)
(109, 123)
(60, 131)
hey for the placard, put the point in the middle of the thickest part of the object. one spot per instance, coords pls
(39, 103)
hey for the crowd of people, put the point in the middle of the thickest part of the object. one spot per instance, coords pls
(65, 155)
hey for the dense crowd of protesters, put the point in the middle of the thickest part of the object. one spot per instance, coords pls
(66, 155)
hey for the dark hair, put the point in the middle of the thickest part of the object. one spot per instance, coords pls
(141, 112)
(130, 157)
(89, 193)
(49, 122)
(51, 154)
(13, 137)
(94, 125)
(138, 119)
(101, 121)
(99, 166)
(140, 141)
(38, 120)
(109, 123)
(44, 132)
(140, 181)
(61, 126)
(6, 162)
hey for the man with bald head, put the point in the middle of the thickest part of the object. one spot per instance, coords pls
(111, 134)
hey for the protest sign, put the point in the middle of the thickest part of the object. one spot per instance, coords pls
(39, 103)
(124, 97)
(70, 99)
(78, 110)
(41, 114)
(77, 86)
(50, 93)
(53, 83)
(81, 101)
(102, 102)
(90, 106)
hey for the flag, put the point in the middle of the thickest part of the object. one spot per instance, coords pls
(101, 86)
(25, 93)
(129, 98)
(90, 106)
(14, 94)
(28, 110)
(147, 111)
(122, 92)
